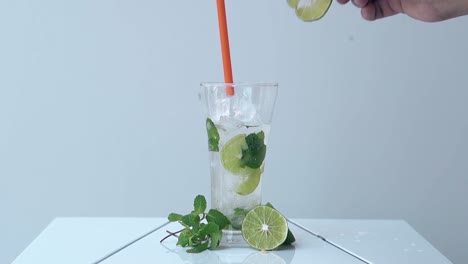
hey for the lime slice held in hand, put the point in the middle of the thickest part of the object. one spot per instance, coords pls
(264, 228)
(310, 10)
(293, 3)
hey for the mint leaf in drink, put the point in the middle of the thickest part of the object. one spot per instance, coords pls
(213, 135)
(240, 212)
(261, 135)
(238, 218)
(254, 154)
(173, 217)
(215, 216)
(290, 237)
(199, 204)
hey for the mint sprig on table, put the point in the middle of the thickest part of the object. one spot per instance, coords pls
(202, 230)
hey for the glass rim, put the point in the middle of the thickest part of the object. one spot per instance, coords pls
(238, 84)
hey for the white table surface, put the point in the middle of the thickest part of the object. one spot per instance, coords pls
(136, 240)
(308, 249)
(376, 241)
(84, 240)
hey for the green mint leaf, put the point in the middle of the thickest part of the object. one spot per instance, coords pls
(255, 152)
(261, 135)
(240, 212)
(290, 237)
(196, 239)
(215, 238)
(191, 241)
(198, 235)
(173, 217)
(215, 216)
(191, 220)
(213, 135)
(199, 204)
(184, 238)
(198, 248)
(208, 229)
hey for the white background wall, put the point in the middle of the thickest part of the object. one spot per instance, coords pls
(99, 114)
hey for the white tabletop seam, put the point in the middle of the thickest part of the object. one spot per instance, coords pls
(129, 244)
(330, 243)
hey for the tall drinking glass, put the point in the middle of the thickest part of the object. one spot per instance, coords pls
(238, 126)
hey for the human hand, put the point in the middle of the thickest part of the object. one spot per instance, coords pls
(424, 10)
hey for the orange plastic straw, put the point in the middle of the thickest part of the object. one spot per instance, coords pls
(226, 54)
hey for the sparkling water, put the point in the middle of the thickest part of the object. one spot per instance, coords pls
(224, 183)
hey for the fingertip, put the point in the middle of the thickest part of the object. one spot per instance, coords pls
(360, 3)
(342, 2)
(368, 12)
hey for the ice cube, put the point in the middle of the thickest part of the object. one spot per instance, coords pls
(228, 123)
(243, 108)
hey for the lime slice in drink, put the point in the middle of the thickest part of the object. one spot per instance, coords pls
(310, 10)
(264, 228)
(249, 183)
(231, 155)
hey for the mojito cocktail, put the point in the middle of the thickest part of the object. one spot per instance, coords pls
(238, 126)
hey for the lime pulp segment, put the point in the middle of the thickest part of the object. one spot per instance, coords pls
(264, 228)
(231, 154)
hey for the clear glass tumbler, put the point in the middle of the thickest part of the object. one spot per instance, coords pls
(238, 126)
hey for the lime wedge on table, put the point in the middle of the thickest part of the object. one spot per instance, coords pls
(231, 155)
(310, 10)
(264, 228)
